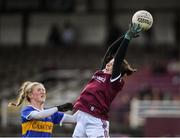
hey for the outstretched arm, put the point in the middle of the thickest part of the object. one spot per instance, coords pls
(111, 51)
(121, 52)
(118, 59)
(42, 114)
(48, 112)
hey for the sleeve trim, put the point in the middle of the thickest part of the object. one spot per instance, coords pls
(112, 80)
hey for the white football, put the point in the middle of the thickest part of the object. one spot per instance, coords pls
(143, 18)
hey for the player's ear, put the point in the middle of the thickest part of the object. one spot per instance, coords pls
(29, 96)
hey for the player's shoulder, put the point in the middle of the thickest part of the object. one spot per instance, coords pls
(27, 108)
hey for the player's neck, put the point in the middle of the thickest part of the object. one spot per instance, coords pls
(38, 105)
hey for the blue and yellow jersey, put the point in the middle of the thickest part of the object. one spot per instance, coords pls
(41, 127)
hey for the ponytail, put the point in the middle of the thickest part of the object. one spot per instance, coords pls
(23, 93)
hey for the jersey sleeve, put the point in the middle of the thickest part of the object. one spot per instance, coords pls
(26, 112)
(57, 117)
(118, 60)
(111, 51)
(118, 84)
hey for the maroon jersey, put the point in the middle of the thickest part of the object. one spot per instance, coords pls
(98, 95)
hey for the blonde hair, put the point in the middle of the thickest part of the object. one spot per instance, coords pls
(24, 90)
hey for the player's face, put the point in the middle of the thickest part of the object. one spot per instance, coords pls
(38, 93)
(109, 66)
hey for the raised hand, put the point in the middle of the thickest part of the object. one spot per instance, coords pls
(133, 31)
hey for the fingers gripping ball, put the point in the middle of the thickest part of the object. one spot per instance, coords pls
(133, 31)
(143, 18)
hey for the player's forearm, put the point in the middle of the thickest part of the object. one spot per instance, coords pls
(111, 51)
(48, 112)
(120, 55)
(42, 114)
(115, 45)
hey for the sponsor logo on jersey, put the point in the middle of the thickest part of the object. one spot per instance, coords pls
(38, 126)
(99, 78)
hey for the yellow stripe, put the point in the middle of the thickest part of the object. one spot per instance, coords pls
(38, 126)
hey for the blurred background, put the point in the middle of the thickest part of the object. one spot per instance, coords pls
(61, 43)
